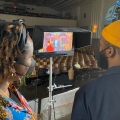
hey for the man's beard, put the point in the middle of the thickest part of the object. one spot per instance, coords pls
(102, 61)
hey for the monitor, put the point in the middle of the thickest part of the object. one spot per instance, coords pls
(51, 41)
(57, 42)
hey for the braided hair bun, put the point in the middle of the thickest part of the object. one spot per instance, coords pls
(13, 38)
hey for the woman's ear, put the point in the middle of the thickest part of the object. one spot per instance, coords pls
(12, 67)
(12, 70)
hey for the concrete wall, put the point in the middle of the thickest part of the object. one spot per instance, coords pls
(88, 10)
(95, 42)
(85, 9)
(37, 9)
(73, 12)
(94, 15)
(31, 21)
(78, 14)
(41, 9)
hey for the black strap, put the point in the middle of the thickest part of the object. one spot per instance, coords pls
(14, 97)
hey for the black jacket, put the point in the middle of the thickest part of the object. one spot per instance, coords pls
(99, 99)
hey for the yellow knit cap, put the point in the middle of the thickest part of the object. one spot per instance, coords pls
(111, 33)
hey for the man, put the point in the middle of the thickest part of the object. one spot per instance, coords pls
(100, 98)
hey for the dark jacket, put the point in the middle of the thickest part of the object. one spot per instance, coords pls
(99, 99)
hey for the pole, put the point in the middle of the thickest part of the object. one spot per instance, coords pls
(50, 92)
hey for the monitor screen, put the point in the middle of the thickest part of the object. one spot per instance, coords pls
(57, 41)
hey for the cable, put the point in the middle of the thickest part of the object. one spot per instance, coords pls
(36, 92)
(54, 79)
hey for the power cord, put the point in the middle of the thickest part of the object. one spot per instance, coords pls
(36, 92)
(54, 79)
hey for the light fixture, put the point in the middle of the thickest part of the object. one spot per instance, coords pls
(94, 30)
(14, 6)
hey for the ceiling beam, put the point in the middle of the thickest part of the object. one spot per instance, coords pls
(71, 6)
(23, 1)
(57, 3)
(63, 3)
(41, 1)
(71, 3)
(30, 1)
(68, 3)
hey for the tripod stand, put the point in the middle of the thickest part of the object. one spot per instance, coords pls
(50, 92)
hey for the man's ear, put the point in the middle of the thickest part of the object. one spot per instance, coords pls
(110, 52)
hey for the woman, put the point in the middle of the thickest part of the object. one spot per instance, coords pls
(16, 51)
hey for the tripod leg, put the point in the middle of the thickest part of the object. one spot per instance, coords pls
(49, 112)
(50, 92)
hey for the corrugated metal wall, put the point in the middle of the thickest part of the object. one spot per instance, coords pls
(97, 17)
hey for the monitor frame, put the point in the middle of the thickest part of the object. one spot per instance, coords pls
(38, 40)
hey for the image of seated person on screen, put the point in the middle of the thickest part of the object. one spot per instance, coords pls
(50, 47)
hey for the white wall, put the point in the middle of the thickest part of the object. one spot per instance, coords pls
(85, 21)
(37, 9)
(31, 21)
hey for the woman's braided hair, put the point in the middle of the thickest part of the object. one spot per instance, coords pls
(9, 47)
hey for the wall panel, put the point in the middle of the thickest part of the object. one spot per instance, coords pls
(31, 21)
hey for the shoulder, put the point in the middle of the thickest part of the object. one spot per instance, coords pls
(4, 102)
(92, 85)
(5, 113)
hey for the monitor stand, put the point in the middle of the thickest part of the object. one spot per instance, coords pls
(50, 92)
